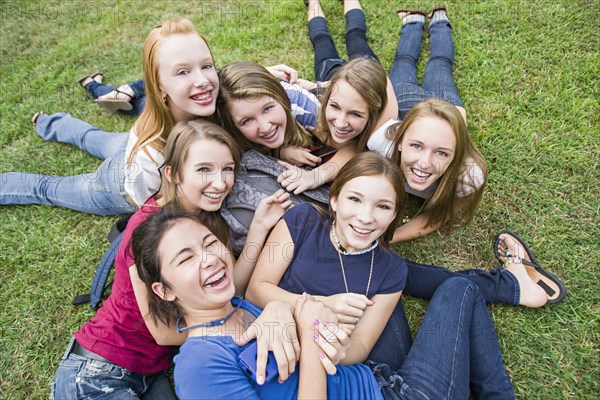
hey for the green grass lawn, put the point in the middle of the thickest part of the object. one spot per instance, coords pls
(528, 75)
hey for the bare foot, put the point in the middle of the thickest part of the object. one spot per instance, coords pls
(532, 294)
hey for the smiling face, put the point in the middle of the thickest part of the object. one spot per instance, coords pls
(206, 176)
(347, 113)
(261, 120)
(197, 267)
(363, 211)
(187, 76)
(427, 149)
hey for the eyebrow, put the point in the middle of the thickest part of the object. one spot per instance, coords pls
(186, 249)
(362, 195)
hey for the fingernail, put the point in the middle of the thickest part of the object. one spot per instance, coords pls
(316, 322)
(322, 356)
(315, 336)
(325, 324)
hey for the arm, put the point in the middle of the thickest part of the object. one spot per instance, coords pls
(163, 334)
(369, 327)
(298, 180)
(268, 212)
(416, 227)
(272, 263)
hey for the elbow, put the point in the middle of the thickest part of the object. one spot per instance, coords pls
(252, 292)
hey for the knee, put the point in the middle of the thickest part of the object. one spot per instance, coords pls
(457, 284)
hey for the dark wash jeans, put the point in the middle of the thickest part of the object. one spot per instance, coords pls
(455, 352)
(327, 60)
(496, 286)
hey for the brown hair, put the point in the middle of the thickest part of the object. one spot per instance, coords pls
(156, 121)
(181, 138)
(245, 80)
(144, 245)
(441, 206)
(369, 79)
(372, 164)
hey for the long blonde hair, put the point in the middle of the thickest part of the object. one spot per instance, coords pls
(181, 138)
(441, 206)
(154, 124)
(369, 79)
(245, 80)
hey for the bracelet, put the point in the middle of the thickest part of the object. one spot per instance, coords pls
(512, 260)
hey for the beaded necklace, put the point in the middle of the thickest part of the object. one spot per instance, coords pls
(216, 322)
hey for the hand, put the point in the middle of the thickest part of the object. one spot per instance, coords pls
(334, 341)
(270, 209)
(284, 72)
(274, 330)
(316, 323)
(348, 307)
(298, 180)
(298, 156)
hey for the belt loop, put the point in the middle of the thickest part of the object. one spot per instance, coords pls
(69, 347)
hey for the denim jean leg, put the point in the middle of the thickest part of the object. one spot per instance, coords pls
(327, 60)
(96, 89)
(99, 193)
(438, 73)
(356, 35)
(438, 364)
(489, 379)
(496, 286)
(395, 341)
(62, 127)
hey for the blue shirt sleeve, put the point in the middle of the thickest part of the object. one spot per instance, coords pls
(305, 105)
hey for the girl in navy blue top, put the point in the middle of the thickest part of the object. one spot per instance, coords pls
(344, 262)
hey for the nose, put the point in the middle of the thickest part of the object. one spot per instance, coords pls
(264, 125)
(426, 160)
(218, 181)
(209, 259)
(365, 214)
(200, 79)
(341, 121)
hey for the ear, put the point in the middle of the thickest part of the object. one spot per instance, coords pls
(168, 171)
(333, 202)
(161, 291)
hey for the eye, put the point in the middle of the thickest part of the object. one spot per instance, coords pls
(207, 66)
(228, 169)
(384, 207)
(268, 108)
(334, 106)
(203, 169)
(182, 72)
(353, 199)
(246, 121)
(186, 259)
(357, 115)
(415, 146)
(442, 153)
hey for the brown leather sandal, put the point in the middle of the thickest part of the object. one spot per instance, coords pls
(439, 7)
(411, 11)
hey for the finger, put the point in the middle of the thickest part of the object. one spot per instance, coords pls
(312, 158)
(327, 364)
(340, 334)
(262, 354)
(248, 335)
(285, 164)
(286, 204)
(292, 356)
(282, 361)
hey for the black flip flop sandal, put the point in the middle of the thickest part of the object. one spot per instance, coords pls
(553, 286)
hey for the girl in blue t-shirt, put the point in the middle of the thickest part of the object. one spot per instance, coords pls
(188, 273)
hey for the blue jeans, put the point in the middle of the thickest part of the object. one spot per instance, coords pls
(96, 90)
(100, 193)
(455, 352)
(437, 81)
(80, 377)
(496, 286)
(327, 60)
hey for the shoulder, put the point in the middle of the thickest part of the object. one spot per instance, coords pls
(302, 213)
(380, 142)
